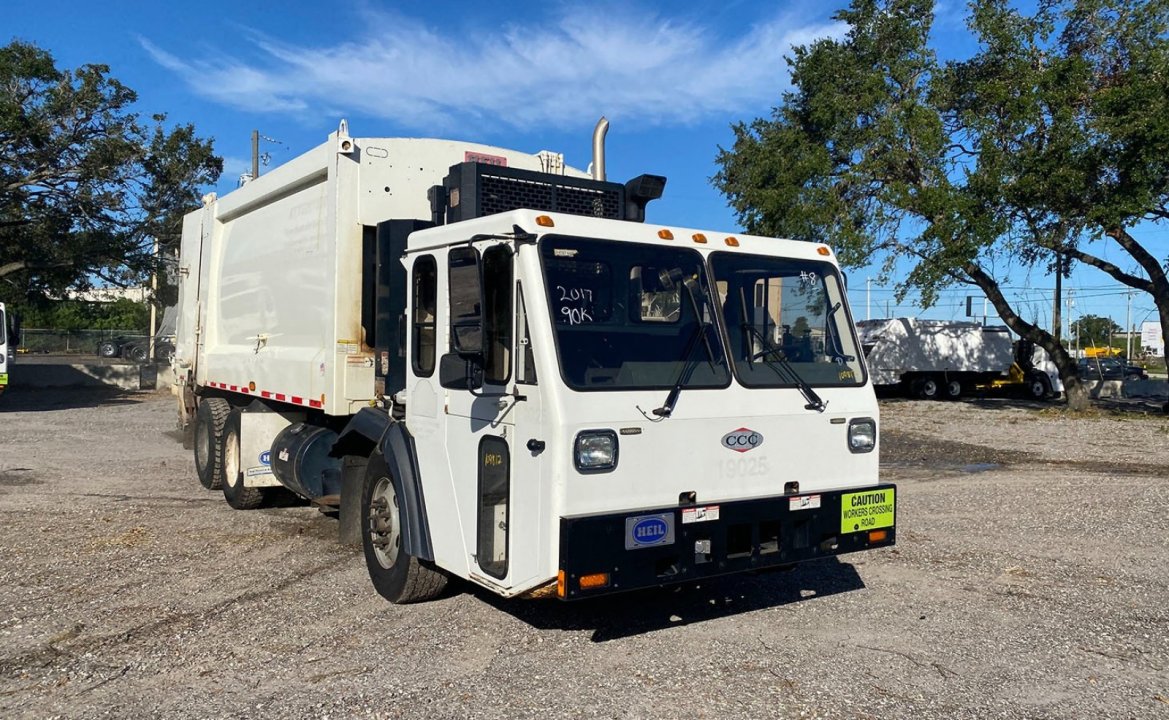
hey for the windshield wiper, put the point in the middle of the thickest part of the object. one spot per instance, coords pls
(784, 369)
(688, 366)
(670, 278)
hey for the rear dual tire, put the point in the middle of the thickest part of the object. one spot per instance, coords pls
(235, 492)
(210, 420)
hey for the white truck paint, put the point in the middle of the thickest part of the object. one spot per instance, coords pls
(717, 373)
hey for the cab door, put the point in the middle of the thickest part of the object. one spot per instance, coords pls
(482, 407)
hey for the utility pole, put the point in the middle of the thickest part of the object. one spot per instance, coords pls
(1056, 320)
(868, 299)
(153, 303)
(255, 154)
(1128, 328)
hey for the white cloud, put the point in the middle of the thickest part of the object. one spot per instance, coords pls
(565, 71)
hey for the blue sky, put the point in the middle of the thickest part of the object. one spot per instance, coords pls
(671, 77)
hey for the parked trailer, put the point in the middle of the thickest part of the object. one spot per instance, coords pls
(495, 371)
(5, 349)
(935, 359)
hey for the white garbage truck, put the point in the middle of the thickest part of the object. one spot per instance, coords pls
(495, 370)
(5, 349)
(946, 359)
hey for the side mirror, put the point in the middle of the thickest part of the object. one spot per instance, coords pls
(466, 302)
(459, 373)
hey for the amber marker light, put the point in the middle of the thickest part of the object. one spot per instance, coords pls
(544, 221)
(877, 535)
(823, 250)
(561, 586)
(732, 242)
(699, 238)
(252, 386)
(594, 581)
(665, 234)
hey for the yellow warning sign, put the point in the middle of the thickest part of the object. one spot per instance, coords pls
(868, 510)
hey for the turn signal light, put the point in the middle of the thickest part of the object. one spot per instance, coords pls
(596, 580)
(544, 221)
(878, 535)
(665, 234)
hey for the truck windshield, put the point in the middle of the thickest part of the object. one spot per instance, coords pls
(786, 322)
(625, 314)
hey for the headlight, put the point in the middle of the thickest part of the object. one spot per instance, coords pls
(862, 435)
(595, 451)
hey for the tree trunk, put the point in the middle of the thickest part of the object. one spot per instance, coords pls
(1069, 371)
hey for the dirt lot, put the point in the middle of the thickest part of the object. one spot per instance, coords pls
(1029, 581)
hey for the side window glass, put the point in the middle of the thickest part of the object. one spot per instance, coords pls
(497, 315)
(425, 301)
(525, 371)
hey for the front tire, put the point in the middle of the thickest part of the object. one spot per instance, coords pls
(397, 576)
(108, 349)
(235, 492)
(1038, 387)
(210, 419)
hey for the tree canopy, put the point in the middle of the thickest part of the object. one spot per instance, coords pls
(1043, 148)
(87, 185)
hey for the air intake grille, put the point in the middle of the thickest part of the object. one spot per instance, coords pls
(501, 194)
(477, 189)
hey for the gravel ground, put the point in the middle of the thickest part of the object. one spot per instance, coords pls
(1028, 582)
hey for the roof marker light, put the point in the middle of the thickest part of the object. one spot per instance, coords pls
(699, 238)
(544, 221)
(823, 250)
(665, 234)
(732, 241)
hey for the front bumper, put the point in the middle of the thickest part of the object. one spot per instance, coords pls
(614, 552)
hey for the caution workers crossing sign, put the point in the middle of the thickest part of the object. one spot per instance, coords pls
(868, 510)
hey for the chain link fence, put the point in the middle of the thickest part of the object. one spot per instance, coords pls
(75, 342)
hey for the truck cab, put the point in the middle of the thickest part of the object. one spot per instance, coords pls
(620, 405)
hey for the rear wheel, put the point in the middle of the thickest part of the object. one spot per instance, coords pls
(210, 419)
(952, 389)
(396, 575)
(927, 388)
(235, 492)
(108, 349)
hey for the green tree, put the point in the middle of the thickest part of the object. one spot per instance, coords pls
(1093, 330)
(1052, 136)
(86, 184)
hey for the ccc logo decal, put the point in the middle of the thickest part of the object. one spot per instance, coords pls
(742, 440)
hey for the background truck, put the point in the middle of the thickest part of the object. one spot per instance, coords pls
(939, 359)
(6, 349)
(493, 370)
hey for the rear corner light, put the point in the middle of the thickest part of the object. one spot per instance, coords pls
(594, 581)
(862, 435)
(561, 587)
(595, 451)
(876, 536)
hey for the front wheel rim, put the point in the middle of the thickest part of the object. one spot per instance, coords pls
(382, 523)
